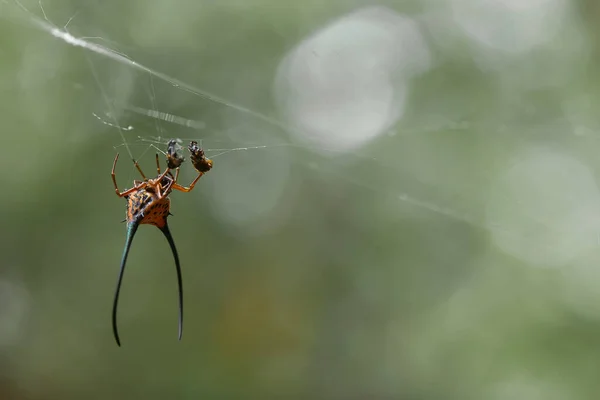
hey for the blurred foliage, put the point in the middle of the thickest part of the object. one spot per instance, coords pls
(374, 274)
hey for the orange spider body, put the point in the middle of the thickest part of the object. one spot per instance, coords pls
(148, 203)
(146, 207)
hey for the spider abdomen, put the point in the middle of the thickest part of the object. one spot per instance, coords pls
(147, 208)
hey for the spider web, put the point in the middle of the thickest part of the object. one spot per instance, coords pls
(155, 123)
(256, 150)
(441, 173)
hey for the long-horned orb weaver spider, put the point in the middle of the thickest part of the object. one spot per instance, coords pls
(148, 203)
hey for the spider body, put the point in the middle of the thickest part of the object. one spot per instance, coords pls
(148, 203)
(145, 207)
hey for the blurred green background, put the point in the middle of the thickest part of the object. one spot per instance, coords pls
(453, 254)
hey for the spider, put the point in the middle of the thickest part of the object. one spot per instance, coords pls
(148, 203)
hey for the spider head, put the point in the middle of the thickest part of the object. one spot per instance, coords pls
(168, 178)
(164, 185)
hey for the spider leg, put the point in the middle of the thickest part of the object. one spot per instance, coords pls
(139, 169)
(131, 229)
(181, 188)
(167, 189)
(157, 165)
(133, 189)
(161, 176)
(173, 182)
(167, 233)
(114, 179)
